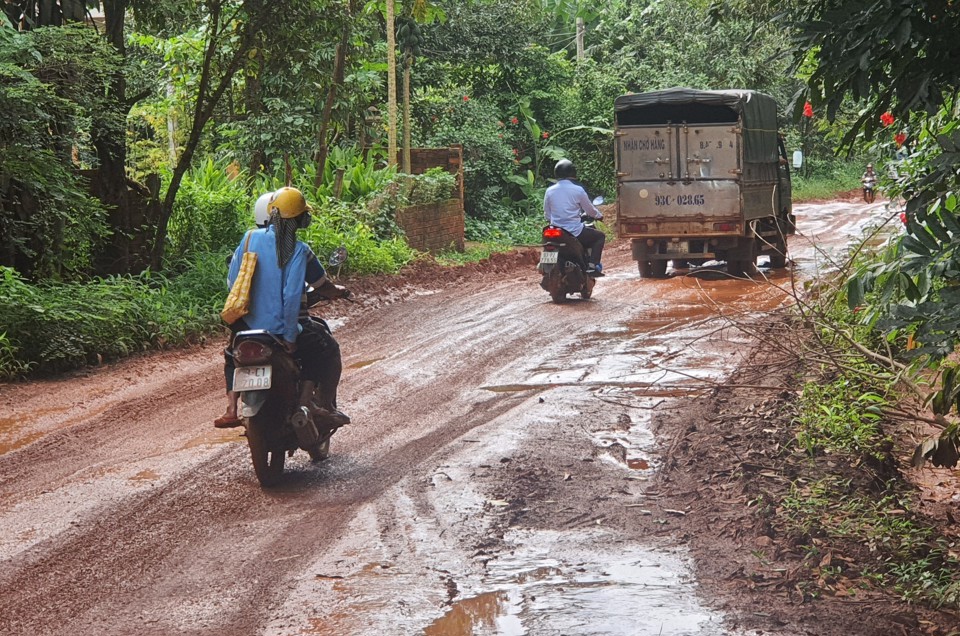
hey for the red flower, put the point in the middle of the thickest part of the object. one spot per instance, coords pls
(900, 138)
(887, 118)
(514, 121)
(515, 152)
(903, 218)
(466, 99)
(545, 134)
(807, 109)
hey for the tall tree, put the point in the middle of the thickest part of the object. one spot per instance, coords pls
(391, 86)
(231, 30)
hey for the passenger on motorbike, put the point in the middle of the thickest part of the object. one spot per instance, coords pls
(564, 202)
(277, 296)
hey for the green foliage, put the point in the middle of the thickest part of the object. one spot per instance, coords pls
(825, 178)
(211, 212)
(50, 328)
(506, 228)
(891, 54)
(842, 415)
(52, 83)
(911, 557)
(446, 119)
(433, 186)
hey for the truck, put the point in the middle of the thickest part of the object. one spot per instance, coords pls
(701, 175)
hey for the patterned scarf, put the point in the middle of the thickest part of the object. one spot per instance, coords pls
(286, 231)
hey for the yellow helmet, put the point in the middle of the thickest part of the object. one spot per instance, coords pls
(289, 202)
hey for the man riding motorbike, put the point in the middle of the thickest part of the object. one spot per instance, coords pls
(285, 268)
(564, 202)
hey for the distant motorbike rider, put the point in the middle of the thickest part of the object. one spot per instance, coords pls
(564, 202)
(869, 178)
(277, 303)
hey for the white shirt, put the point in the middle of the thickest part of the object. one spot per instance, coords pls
(562, 204)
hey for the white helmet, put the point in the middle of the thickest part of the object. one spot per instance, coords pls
(261, 209)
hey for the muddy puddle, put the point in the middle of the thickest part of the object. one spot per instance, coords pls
(556, 583)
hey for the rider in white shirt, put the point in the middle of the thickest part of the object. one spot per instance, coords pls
(564, 202)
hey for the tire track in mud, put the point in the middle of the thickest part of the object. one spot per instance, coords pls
(51, 459)
(137, 543)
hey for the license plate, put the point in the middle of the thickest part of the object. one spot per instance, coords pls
(252, 378)
(549, 257)
(678, 248)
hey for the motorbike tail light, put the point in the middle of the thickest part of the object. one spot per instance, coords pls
(635, 228)
(251, 352)
(725, 227)
(552, 232)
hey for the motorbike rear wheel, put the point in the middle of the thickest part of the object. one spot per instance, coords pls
(267, 462)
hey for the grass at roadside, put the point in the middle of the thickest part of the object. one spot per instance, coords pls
(851, 500)
(824, 182)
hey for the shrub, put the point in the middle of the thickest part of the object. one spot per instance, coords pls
(444, 119)
(211, 212)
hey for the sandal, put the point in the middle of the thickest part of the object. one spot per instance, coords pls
(227, 421)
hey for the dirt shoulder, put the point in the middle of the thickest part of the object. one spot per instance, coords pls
(730, 460)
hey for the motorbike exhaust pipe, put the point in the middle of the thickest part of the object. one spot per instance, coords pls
(304, 428)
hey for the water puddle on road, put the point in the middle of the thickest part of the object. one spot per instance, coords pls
(12, 435)
(554, 583)
(363, 363)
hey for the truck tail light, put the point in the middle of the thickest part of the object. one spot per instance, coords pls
(725, 227)
(634, 228)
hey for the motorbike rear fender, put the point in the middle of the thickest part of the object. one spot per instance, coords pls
(251, 402)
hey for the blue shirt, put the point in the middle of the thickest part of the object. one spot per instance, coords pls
(274, 293)
(563, 203)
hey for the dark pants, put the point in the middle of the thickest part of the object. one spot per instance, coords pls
(317, 352)
(319, 356)
(593, 239)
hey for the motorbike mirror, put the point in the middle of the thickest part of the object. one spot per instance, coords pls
(598, 201)
(338, 257)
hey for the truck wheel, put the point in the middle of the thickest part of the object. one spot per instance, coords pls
(778, 257)
(658, 269)
(644, 268)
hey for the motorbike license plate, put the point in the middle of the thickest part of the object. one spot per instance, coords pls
(678, 248)
(549, 257)
(252, 378)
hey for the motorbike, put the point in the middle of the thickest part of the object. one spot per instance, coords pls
(563, 263)
(869, 185)
(267, 378)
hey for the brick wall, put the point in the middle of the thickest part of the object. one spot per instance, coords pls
(433, 227)
(438, 226)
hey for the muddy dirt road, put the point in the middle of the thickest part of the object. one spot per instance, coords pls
(122, 511)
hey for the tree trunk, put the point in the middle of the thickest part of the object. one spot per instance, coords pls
(111, 176)
(407, 64)
(253, 100)
(339, 66)
(391, 86)
(204, 106)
